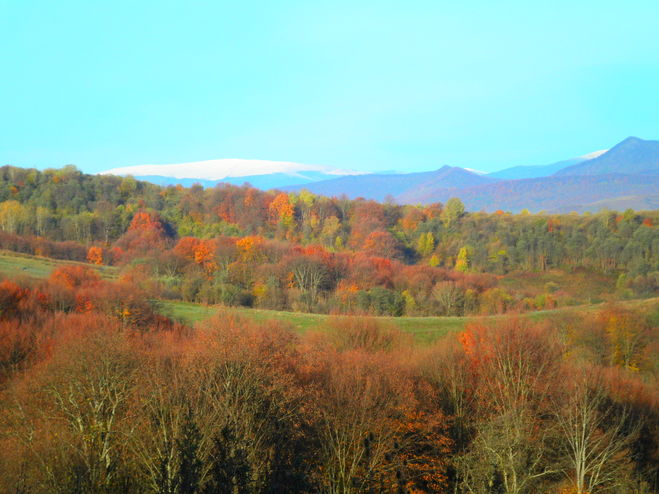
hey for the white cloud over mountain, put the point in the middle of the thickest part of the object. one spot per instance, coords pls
(594, 154)
(223, 168)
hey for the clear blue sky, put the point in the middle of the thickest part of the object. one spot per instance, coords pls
(408, 85)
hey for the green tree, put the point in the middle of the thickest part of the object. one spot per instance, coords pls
(463, 263)
(426, 244)
(189, 464)
(230, 470)
(453, 211)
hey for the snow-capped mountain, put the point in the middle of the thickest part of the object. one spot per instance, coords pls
(260, 173)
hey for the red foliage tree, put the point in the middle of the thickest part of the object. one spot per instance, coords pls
(382, 244)
(145, 234)
(74, 276)
(186, 247)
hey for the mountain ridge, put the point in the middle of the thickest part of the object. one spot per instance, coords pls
(627, 173)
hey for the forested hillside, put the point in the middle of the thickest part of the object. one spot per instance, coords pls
(242, 246)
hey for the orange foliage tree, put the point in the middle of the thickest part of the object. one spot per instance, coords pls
(204, 255)
(186, 247)
(95, 255)
(250, 248)
(145, 221)
(74, 276)
(281, 209)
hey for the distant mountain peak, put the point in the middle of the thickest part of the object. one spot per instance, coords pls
(630, 140)
(457, 170)
(630, 156)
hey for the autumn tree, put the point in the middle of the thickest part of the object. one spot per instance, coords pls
(451, 372)
(310, 276)
(516, 368)
(146, 233)
(76, 437)
(628, 334)
(452, 212)
(95, 255)
(596, 436)
(282, 213)
(367, 217)
(250, 408)
(382, 244)
(12, 216)
(359, 406)
(72, 276)
(426, 244)
(449, 298)
(186, 247)
(411, 219)
(463, 261)
(204, 256)
(167, 442)
(251, 248)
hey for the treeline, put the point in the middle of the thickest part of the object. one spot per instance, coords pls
(68, 205)
(242, 246)
(99, 395)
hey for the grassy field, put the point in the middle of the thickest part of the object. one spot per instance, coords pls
(580, 285)
(424, 329)
(14, 265)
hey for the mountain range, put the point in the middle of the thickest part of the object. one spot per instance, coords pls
(262, 174)
(624, 176)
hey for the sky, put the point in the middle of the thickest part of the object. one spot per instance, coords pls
(361, 85)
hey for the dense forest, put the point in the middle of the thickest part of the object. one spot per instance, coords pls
(101, 392)
(297, 251)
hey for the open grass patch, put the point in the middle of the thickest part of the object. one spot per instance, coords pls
(424, 329)
(16, 265)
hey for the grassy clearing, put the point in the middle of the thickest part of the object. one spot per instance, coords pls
(190, 313)
(579, 286)
(424, 329)
(16, 265)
